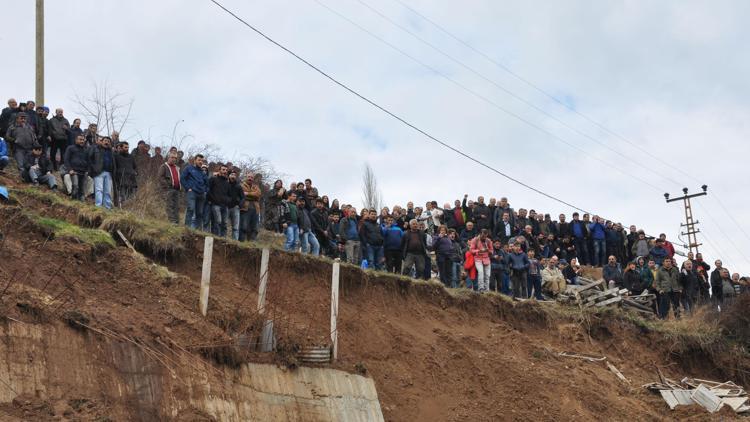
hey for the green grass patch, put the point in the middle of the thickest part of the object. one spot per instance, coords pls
(62, 229)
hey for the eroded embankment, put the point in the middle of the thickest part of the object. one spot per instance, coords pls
(434, 354)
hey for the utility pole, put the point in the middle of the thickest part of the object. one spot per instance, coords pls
(40, 52)
(689, 223)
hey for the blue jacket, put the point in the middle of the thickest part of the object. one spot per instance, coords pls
(194, 178)
(598, 231)
(392, 237)
(442, 246)
(578, 228)
(3, 148)
(658, 253)
(518, 261)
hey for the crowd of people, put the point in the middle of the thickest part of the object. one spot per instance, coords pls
(483, 246)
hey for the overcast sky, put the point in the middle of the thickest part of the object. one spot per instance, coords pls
(671, 77)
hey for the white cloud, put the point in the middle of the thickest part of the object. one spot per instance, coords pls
(670, 76)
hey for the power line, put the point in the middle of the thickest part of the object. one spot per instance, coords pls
(487, 100)
(511, 93)
(388, 112)
(543, 92)
(728, 239)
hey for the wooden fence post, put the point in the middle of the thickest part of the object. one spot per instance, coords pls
(263, 280)
(208, 252)
(335, 310)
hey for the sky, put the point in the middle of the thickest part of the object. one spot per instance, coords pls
(656, 96)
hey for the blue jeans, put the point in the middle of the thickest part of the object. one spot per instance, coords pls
(219, 223)
(535, 282)
(582, 250)
(309, 240)
(207, 216)
(375, 256)
(506, 284)
(103, 190)
(194, 213)
(292, 237)
(4, 162)
(456, 276)
(600, 253)
(234, 220)
(49, 179)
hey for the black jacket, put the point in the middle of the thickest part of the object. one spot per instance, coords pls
(95, 156)
(371, 233)
(236, 194)
(690, 283)
(125, 174)
(319, 220)
(76, 159)
(219, 191)
(405, 242)
(482, 216)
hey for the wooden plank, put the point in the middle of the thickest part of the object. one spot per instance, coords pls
(704, 397)
(263, 280)
(590, 286)
(335, 309)
(617, 372)
(208, 252)
(603, 295)
(127, 242)
(584, 357)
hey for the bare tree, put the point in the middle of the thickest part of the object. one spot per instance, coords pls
(105, 106)
(372, 196)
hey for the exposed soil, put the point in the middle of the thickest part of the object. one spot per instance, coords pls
(434, 355)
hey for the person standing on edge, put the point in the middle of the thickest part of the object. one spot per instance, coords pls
(169, 180)
(101, 167)
(519, 266)
(310, 243)
(311, 194)
(598, 235)
(534, 277)
(350, 237)
(443, 247)
(195, 183)
(236, 198)
(689, 282)
(59, 128)
(219, 198)
(392, 235)
(372, 236)
(481, 248)
(414, 249)
(251, 207)
(290, 221)
(578, 230)
(126, 174)
(77, 166)
(319, 219)
(22, 138)
(668, 285)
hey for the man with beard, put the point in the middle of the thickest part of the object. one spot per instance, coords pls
(125, 174)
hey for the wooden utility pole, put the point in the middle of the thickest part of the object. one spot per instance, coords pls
(689, 223)
(40, 52)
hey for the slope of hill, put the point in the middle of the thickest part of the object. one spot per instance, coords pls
(434, 354)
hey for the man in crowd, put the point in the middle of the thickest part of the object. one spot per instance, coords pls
(101, 167)
(250, 207)
(612, 273)
(414, 249)
(580, 239)
(350, 236)
(372, 236)
(519, 266)
(6, 117)
(481, 215)
(598, 235)
(59, 128)
(311, 194)
(290, 222)
(553, 280)
(76, 166)
(669, 288)
(125, 174)
(92, 135)
(169, 182)
(310, 243)
(236, 198)
(38, 169)
(219, 198)
(22, 137)
(195, 183)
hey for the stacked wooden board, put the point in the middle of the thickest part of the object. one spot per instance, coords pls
(712, 395)
(591, 293)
